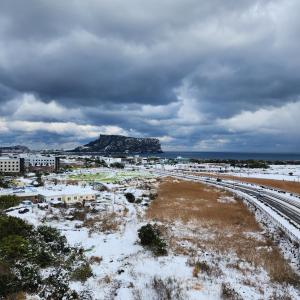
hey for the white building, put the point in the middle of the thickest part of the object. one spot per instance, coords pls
(67, 193)
(55, 193)
(32, 162)
(11, 165)
(39, 160)
(110, 160)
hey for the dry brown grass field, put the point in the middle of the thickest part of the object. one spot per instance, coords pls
(217, 223)
(290, 186)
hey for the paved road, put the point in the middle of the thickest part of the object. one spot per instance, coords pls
(288, 208)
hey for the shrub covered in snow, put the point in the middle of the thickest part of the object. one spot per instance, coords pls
(56, 287)
(25, 251)
(228, 292)
(82, 273)
(167, 289)
(150, 237)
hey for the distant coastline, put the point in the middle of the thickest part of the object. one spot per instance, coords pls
(231, 155)
(207, 155)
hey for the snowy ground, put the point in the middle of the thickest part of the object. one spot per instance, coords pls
(127, 271)
(103, 175)
(279, 172)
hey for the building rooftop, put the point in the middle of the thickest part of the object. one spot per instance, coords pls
(48, 191)
(7, 157)
(65, 190)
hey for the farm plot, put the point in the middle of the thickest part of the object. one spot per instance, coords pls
(108, 176)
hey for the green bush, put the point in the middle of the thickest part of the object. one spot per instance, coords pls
(150, 237)
(117, 165)
(148, 234)
(44, 258)
(56, 287)
(29, 277)
(130, 197)
(82, 273)
(153, 196)
(24, 251)
(49, 234)
(52, 236)
(13, 247)
(8, 280)
(13, 226)
(8, 201)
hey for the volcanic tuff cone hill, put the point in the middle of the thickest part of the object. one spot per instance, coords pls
(121, 144)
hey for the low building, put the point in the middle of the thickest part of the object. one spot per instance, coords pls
(23, 193)
(67, 194)
(11, 165)
(110, 160)
(56, 193)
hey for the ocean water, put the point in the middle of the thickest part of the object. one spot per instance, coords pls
(232, 155)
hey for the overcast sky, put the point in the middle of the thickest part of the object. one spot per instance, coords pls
(200, 75)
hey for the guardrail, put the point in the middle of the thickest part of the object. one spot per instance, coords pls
(259, 206)
(245, 197)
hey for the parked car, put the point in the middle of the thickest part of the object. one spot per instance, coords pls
(23, 210)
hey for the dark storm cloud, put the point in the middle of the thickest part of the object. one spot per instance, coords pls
(107, 51)
(180, 70)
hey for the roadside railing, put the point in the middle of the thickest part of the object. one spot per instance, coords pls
(246, 197)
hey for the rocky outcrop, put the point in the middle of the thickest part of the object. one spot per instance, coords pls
(118, 144)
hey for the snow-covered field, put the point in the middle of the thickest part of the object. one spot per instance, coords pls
(279, 172)
(104, 175)
(125, 270)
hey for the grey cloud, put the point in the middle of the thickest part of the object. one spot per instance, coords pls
(108, 51)
(105, 61)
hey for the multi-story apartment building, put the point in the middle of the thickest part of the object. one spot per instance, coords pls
(28, 162)
(11, 165)
(41, 162)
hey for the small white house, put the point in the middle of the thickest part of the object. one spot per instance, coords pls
(67, 194)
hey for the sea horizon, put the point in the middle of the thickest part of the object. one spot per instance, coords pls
(230, 155)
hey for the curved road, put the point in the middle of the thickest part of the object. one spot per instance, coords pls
(287, 208)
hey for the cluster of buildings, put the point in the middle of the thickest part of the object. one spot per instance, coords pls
(78, 161)
(18, 164)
